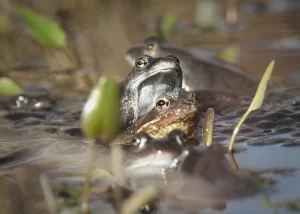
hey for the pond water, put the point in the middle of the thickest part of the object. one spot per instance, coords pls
(103, 33)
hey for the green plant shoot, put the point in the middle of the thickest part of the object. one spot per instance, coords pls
(208, 127)
(44, 31)
(100, 117)
(8, 87)
(256, 102)
(100, 120)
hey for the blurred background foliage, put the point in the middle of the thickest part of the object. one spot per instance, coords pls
(100, 31)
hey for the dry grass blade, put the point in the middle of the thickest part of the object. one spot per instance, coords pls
(118, 171)
(208, 127)
(140, 198)
(256, 102)
(48, 194)
(87, 185)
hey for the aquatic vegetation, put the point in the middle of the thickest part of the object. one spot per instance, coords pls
(229, 54)
(44, 31)
(137, 200)
(168, 24)
(208, 127)
(100, 120)
(256, 102)
(6, 24)
(8, 87)
(292, 205)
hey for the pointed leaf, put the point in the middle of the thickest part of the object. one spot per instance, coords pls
(44, 31)
(260, 92)
(9, 88)
(256, 103)
(100, 118)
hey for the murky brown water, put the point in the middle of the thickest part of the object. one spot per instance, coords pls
(100, 34)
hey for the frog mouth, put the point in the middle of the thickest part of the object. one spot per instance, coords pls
(155, 71)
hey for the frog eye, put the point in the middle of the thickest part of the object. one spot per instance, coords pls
(151, 49)
(141, 62)
(162, 103)
(152, 46)
(174, 58)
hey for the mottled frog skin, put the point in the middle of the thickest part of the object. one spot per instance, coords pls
(169, 114)
(149, 78)
(150, 156)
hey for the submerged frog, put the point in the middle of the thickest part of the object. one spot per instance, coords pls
(169, 114)
(150, 156)
(199, 74)
(149, 78)
(205, 178)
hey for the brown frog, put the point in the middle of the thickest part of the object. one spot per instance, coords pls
(169, 114)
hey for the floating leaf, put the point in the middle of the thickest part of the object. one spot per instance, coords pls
(100, 118)
(8, 87)
(208, 127)
(256, 102)
(44, 31)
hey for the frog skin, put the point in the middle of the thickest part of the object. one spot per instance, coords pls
(182, 113)
(169, 114)
(150, 156)
(199, 74)
(149, 78)
(205, 175)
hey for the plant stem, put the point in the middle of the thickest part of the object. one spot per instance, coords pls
(237, 129)
(87, 182)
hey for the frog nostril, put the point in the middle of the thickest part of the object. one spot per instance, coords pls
(141, 62)
(174, 58)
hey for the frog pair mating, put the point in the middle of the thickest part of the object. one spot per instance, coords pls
(216, 84)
